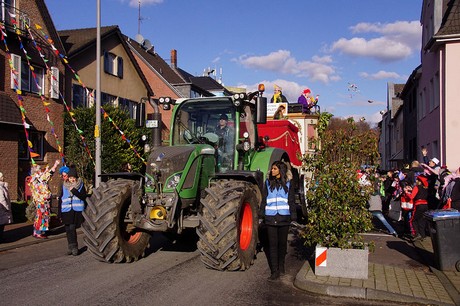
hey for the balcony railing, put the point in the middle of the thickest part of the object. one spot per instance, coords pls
(13, 18)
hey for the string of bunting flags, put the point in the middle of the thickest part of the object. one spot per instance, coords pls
(53, 77)
(47, 111)
(77, 77)
(19, 95)
(42, 98)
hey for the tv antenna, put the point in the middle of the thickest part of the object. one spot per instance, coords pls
(139, 19)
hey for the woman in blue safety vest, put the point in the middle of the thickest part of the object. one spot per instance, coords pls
(71, 205)
(277, 210)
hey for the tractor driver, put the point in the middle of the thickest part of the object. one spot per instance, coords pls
(226, 135)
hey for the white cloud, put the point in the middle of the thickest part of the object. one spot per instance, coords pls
(135, 3)
(381, 75)
(317, 69)
(397, 41)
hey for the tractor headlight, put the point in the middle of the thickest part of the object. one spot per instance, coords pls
(173, 181)
(238, 98)
(246, 145)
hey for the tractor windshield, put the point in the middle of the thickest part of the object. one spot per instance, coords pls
(215, 122)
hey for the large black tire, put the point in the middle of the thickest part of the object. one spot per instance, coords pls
(228, 225)
(108, 236)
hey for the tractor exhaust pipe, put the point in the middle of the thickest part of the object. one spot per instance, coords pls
(156, 129)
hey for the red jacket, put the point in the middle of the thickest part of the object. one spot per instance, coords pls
(418, 195)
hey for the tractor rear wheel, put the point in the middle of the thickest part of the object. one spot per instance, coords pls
(109, 233)
(228, 225)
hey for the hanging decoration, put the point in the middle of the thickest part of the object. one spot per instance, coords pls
(77, 77)
(123, 136)
(42, 98)
(19, 96)
(45, 61)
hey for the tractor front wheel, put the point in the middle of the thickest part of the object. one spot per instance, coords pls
(109, 233)
(228, 225)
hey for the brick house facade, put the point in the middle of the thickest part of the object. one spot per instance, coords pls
(43, 110)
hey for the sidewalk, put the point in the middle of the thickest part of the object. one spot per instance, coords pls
(20, 234)
(399, 271)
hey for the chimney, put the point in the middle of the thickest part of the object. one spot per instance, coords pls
(174, 58)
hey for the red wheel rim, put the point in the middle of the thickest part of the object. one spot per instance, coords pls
(134, 238)
(246, 227)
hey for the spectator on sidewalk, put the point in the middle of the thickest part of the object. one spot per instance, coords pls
(407, 209)
(415, 170)
(432, 168)
(389, 187)
(72, 202)
(375, 206)
(451, 191)
(419, 196)
(6, 216)
(41, 196)
(277, 211)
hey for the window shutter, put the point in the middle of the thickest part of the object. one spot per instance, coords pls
(54, 83)
(120, 67)
(16, 77)
(106, 62)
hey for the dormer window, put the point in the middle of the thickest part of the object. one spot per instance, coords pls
(113, 64)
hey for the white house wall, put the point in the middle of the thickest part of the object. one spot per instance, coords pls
(451, 104)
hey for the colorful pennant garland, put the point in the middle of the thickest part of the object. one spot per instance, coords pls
(19, 96)
(71, 114)
(77, 77)
(46, 104)
(123, 136)
(42, 98)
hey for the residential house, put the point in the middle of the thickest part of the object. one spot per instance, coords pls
(169, 80)
(159, 75)
(430, 111)
(409, 94)
(438, 88)
(31, 111)
(122, 82)
(391, 129)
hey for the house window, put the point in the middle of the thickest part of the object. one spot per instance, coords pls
(80, 96)
(8, 6)
(431, 96)
(25, 79)
(128, 106)
(113, 64)
(36, 138)
(108, 99)
(31, 81)
(437, 96)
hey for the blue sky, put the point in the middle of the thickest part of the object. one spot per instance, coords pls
(344, 51)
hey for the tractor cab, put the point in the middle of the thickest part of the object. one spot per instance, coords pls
(227, 124)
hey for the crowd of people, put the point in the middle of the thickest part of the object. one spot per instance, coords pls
(306, 99)
(413, 190)
(71, 202)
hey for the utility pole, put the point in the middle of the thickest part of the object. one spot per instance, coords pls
(97, 128)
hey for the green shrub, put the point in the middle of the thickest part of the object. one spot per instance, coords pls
(336, 203)
(115, 151)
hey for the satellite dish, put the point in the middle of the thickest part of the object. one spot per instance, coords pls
(139, 38)
(147, 44)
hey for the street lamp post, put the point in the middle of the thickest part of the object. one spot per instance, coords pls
(97, 128)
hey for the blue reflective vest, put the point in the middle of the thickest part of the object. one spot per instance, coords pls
(71, 202)
(277, 201)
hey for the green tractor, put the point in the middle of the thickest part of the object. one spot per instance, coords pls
(204, 179)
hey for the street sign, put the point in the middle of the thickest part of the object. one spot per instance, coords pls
(151, 123)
